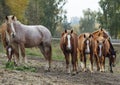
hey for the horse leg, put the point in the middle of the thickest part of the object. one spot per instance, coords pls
(47, 53)
(82, 60)
(110, 64)
(74, 60)
(97, 62)
(21, 48)
(16, 58)
(67, 58)
(102, 64)
(91, 61)
(84, 57)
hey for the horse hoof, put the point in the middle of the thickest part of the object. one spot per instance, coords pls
(111, 71)
(73, 73)
(47, 69)
(84, 70)
(91, 71)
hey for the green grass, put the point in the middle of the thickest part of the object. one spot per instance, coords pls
(11, 66)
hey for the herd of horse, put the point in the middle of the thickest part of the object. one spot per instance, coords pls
(97, 45)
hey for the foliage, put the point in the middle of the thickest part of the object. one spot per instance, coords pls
(109, 18)
(46, 12)
(11, 66)
(87, 23)
(4, 10)
(17, 8)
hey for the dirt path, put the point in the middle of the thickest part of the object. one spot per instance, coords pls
(57, 75)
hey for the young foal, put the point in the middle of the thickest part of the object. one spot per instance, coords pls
(68, 44)
(85, 47)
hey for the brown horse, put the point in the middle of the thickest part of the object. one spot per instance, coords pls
(100, 51)
(5, 40)
(12, 54)
(112, 53)
(85, 47)
(24, 36)
(68, 44)
(3, 29)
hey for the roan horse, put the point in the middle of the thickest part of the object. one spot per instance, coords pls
(112, 53)
(68, 44)
(27, 36)
(85, 47)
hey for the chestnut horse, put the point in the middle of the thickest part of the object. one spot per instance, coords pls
(5, 41)
(100, 50)
(68, 44)
(85, 47)
(112, 53)
(27, 36)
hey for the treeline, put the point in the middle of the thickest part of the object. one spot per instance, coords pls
(108, 18)
(46, 12)
(50, 13)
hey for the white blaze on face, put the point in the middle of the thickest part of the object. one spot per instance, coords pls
(9, 51)
(87, 49)
(69, 43)
(100, 50)
(13, 29)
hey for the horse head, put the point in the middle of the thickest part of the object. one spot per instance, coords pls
(10, 25)
(87, 42)
(100, 45)
(68, 39)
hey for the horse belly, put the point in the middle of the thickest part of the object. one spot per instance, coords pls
(33, 41)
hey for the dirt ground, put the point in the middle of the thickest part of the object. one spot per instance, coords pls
(57, 75)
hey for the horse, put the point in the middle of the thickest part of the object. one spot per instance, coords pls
(85, 47)
(112, 53)
(100, 50)
(5, 40)
(3, 29)
(68, 45)
(27, 36)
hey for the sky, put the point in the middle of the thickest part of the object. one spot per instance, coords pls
(75, 8)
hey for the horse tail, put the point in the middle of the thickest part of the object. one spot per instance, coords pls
(112, 51)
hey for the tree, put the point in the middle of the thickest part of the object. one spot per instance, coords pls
(46, 12)
(87, 23)
(17, 8)
(4, 10)
(109, 18)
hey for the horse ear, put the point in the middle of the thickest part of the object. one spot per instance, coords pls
(99, 34)
(103, 41)
(6, 17)
(72, 31)
(65, 31)
(14, 18)
(101, 29)
(97, 41)
(90, 36)
(84, 36)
